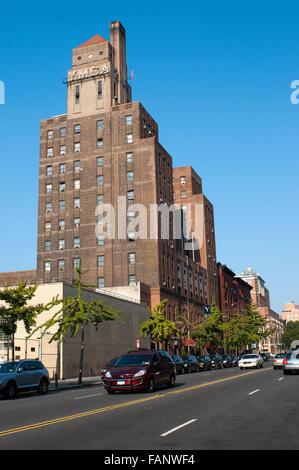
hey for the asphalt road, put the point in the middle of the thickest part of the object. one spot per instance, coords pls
(222, 409)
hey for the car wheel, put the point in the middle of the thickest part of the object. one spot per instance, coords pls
(43, 387)
(151, 385)
(110, 392)
(286, 372)
(11, 390)
(171, 382)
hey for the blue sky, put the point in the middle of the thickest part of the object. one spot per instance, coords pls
(216, 77)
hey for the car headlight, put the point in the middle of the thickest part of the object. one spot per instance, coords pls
(140, 373)
(108, 375)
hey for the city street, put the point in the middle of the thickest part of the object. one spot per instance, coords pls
(221, 409)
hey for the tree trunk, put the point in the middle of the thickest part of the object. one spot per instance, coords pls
(81, 356)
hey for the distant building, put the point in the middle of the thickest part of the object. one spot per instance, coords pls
(290, 312)
(261, 298)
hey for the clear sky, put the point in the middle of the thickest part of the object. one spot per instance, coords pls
(216, 77)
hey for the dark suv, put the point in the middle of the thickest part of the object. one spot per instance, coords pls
(140, 370)
(216, 361)
(205, 362)
(23, 375)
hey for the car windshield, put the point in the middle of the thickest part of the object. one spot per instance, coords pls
(134, 360)
(250, 356)
(279, 356)
(8, 367)
(177, 359)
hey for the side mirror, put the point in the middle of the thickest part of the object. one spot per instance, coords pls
(20, 370)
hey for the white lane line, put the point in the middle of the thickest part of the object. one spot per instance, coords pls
(88, 396)
(281, 378)
(254, 391)
(178, 427)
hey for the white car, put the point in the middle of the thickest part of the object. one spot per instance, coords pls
(251, 360)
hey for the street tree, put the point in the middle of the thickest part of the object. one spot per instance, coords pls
(158, 327)
(291, 334)
(14, 308)
(75, 314)
(209, 331)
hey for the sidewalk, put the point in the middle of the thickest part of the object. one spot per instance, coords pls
(73, 383)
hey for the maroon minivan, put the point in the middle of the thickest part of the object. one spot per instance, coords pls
(140, 370)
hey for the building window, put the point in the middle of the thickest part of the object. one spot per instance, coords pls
(50, 152)
(48, 189)
(76, 263)
(183, 194)
(131, 216)
(76, 222)
(183, 180)
(77, 129)
(47, 266)
(100, 199)
(48, 206)
(100, 180)
(132, 280)
(50, 135)
(132, 258)
(61, 244)
(130, 157)
(100, 125)
(131, 195)
(49, 171)
(100, 161)
(76, 203)
(61, 265)
(77, 242)
(130, 176)
(131, 236)
(61, 225)
(62, 150)
(77, 165)
(77, 94)
(48, 246)
(101, 240)
(129, 120)
(48, 226)
(100, 143)
(61, 187)
(63, 132)
(76, 184)
(100, 91)
(77, 147)
(129, 138)
(101, 260)
(62, 168)
(61, 206)
(101, 282)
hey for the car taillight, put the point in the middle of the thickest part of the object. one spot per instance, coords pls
(285, 361)
(275, 360)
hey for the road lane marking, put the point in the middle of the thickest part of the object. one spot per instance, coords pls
(88, 396)
(178, 427)
(121, 405)
(281, 378)
(254, 391)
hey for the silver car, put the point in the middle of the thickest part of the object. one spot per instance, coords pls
(291, 362)
(23, 375)
(278, 360)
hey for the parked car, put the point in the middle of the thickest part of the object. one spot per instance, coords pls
(140, 370)
(110, 364)
(23, 375)
(251, 360)
(227, 361)
(235, 361)
(179, 364)
(291, 362)
(278, 360)
(191, 364)
(265, 357)
(204, 362)
(216, 361)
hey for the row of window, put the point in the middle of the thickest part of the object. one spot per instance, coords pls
(77, 128)
(77, 166)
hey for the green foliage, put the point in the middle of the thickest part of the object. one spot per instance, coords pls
(210, 330)
(159, 328)
(291, 333)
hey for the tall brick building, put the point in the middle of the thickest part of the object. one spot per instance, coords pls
(106, 150)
